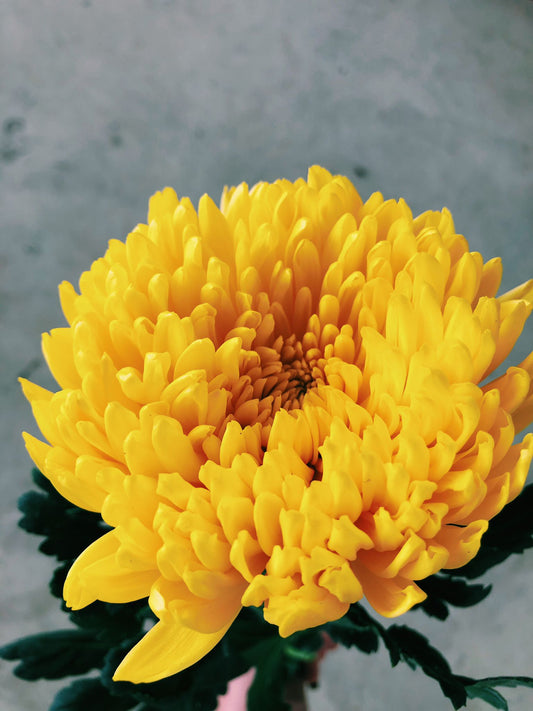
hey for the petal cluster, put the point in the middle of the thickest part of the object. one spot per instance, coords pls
(284, 402)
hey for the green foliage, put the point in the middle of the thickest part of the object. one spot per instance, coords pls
(104, 632)
(406, 644)
(53, 655)
(356, 629)
(484, 689)
(414, 649)
(403, 644)
(444, 590)
(267, 688)
(110, 623)
(90, 694)
(488, 694)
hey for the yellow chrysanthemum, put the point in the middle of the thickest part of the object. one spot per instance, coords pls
(281, 403)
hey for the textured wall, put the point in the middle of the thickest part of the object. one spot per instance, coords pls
(102, 103)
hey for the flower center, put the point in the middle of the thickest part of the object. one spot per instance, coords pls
(283, 375)
(300, 371)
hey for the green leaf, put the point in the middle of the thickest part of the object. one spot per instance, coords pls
(303, 647)
(488, 694)
(360, 617)
(111, 623)
(87, 695)
(43, 483)
(512, 528)
(433, 607)
(72, 533)
(52, 655)
(416, 651)
(509, 681)
(268, 686)
(67, 529)
(58, 580)
(38, 509)
(484, 688)
(349, 634)
(249, 628)
(444, 590)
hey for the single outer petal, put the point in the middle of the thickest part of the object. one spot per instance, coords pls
(166, 649)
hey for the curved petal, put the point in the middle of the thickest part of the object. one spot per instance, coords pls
(97, 575)
(166, 649)
(66, 473)
(391, 598)
(522, 291)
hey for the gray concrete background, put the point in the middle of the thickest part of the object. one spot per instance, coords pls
(102, 103)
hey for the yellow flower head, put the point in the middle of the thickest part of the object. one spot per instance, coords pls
(285, 403)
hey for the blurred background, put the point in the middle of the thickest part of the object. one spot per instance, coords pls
(103, 103)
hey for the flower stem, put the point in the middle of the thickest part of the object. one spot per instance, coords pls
(295, 695)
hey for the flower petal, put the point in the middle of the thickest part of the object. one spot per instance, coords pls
(97, 575)
(166, 649)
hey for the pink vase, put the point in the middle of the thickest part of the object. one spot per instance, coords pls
(235, 697)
